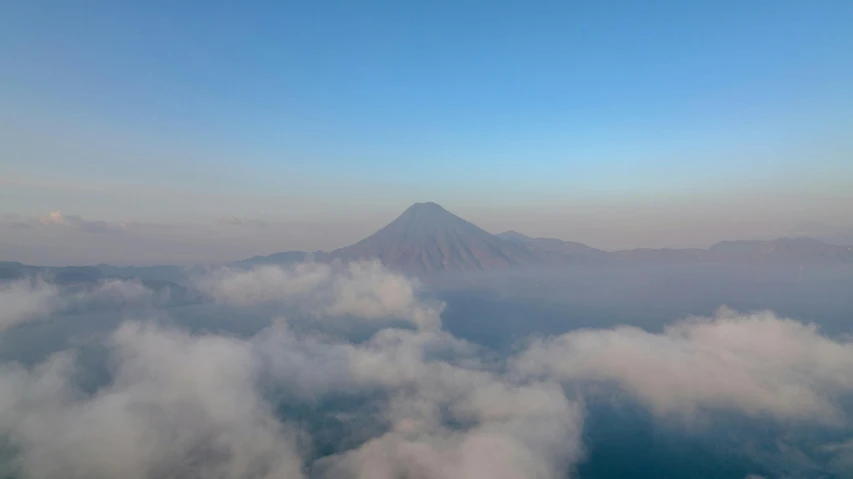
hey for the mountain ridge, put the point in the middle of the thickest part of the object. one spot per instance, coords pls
(427, 239)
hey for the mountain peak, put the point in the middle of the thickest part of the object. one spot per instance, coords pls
(428, 217)
(427, 205)
(426, 238)
(423, 209)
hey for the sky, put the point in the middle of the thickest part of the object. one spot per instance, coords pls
(619, 124)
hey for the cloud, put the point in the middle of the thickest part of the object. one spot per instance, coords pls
(178, 406)
(447, 414)
(444, 412)
(362, 289)
(429, 405)
(26, 300)
(510, 429)
(118, 292)
(30, 299)
(181, 405)
(57, 220)
(757, 364)
(516, 431)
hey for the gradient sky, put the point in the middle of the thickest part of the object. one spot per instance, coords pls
(618, 123)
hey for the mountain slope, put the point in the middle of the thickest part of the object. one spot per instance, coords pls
(553, 245)
(428, 239)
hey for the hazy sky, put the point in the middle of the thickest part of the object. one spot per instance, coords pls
(615, 123)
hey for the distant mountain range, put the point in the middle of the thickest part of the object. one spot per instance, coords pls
(427, 239)
(780, 250)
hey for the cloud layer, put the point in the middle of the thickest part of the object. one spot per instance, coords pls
(33, 298)
(362, 289)
(178, 406)
(24, 300)
(424, 404)
(756, 364)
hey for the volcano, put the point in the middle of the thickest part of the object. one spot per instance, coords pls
(428, 239)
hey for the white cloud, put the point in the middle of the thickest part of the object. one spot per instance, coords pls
(54, 218)
(362, 289)
(448, 414)
(518, 432)
(757, 364)
(33, 298)
(179, 406)
(57, 219)
(509, 428)
(25, 300)
(454, 418)
(182, 405)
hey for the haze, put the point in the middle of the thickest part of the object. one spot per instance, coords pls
(617, 125)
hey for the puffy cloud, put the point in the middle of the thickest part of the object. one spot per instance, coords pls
(450, 416)
(518, 432)
(758, 364)
(33, 298)
(440, 407)
(362, 289)
(314, 365)
(24, 300)
(446, 413)
(57, 219)
(264, 284)
(178, 406)
(181, 405)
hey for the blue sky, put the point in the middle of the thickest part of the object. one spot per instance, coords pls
(373, 105)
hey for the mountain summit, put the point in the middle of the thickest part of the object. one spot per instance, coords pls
(427, 239)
